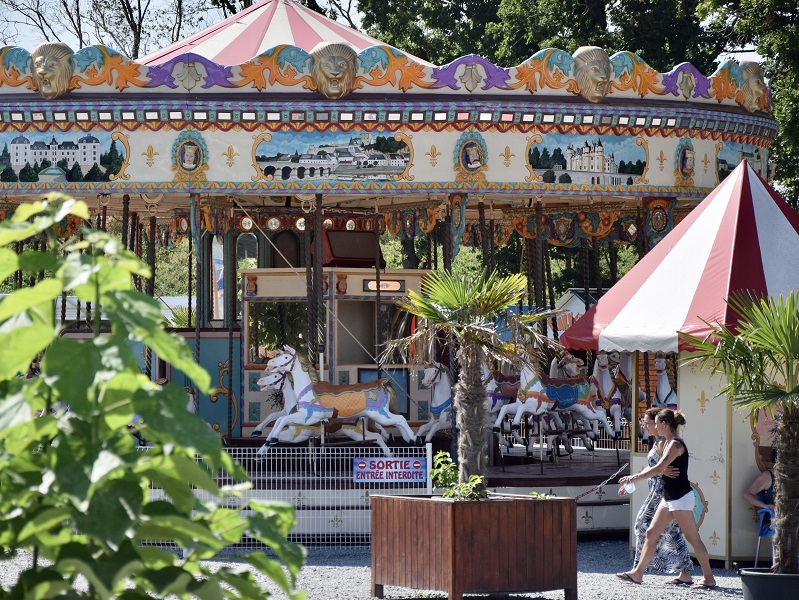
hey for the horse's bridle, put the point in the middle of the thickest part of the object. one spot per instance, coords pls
(288, 365)
(440, 370)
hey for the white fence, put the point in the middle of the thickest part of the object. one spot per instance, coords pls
(332, 506)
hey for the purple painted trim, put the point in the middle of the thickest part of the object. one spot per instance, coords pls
(672, 78)
(217, 75)
(496, 77)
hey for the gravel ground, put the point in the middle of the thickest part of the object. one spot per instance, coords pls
(337, 573)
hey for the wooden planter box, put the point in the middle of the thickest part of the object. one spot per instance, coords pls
(499, 545)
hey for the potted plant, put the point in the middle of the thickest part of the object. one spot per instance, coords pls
(458, 543)
(760, 360)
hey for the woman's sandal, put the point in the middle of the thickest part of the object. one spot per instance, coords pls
(678, 581)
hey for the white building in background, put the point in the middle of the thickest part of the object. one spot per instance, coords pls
(85, 152)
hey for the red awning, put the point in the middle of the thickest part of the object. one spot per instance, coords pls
(743, 236)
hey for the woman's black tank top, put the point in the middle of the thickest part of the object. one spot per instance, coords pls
(675, 488)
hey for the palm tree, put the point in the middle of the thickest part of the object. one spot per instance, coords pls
(462, 309)
(761, 364)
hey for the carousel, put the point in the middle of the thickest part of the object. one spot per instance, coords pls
(280, 145)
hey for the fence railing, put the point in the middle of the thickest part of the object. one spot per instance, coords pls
(330, 486)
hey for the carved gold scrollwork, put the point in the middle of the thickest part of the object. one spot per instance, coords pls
(123, 139)
(406, 174)
(224, 368)
(259, 172)
(533, 139)
(640, 141)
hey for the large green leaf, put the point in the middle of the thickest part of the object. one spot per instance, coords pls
(41, 296)
(21, 341)
(120, 502)
(42, 519)
(32, 261)
(70, 367)
(142, 316)
(9, 263)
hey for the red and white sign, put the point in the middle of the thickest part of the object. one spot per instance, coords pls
(389, 469)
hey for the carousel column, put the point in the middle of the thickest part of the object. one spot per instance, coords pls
(481, 211)
(150, 289)
(378, 329)
(309, 285)
(540, 298)
(230, 315)
(550, 286)
(194, 221)
(446, 249)
(596, 252)
(321, 315)
(613, 255)
(640, 236)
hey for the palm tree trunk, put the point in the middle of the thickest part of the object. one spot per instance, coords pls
(786, 474)
(469, 400)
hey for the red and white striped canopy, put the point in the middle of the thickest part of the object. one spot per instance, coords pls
(743, 236)
(260, 27)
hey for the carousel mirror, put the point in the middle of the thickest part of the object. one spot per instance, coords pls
(246, 258)
(271, 325)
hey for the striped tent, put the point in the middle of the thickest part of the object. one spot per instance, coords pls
(260, 27)
(743, 236)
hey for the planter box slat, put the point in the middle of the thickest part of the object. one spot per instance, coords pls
(491, 546)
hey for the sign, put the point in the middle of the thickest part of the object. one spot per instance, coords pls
(389, 469)
(386, 285)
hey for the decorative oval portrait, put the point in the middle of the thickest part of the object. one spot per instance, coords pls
(471, 156)
(659, 219)
(190, 156)
(687, 162)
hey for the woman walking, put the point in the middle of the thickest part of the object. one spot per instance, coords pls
(671, 552)
(677, 503)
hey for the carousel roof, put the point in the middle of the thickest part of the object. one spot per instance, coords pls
(260, 27)
(743, 236)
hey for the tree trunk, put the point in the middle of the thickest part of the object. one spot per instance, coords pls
(469, 399)
(786, 474)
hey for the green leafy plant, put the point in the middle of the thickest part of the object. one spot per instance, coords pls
(75, 492)
(760, 362)
(445, 477)
(542, 495)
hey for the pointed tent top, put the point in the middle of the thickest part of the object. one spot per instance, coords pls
(743, 236)
(260, 27)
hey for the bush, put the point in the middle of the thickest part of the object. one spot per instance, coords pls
(74, 489)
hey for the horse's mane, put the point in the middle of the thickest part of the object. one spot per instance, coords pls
(308, 367)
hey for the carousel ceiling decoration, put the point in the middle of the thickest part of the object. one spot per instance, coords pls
(279, 102)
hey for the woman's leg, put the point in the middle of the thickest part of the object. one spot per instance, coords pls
(659, 523)
(685, 519)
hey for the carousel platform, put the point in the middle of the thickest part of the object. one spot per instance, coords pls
(515, 469)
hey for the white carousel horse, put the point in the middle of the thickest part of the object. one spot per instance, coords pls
(498, 394)
(608, 395)
(317, 401)
(354, 429)
(436, 377)
(539, 395)
(273, 416)
(559, 369)
(624, 381)
(665, 396)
